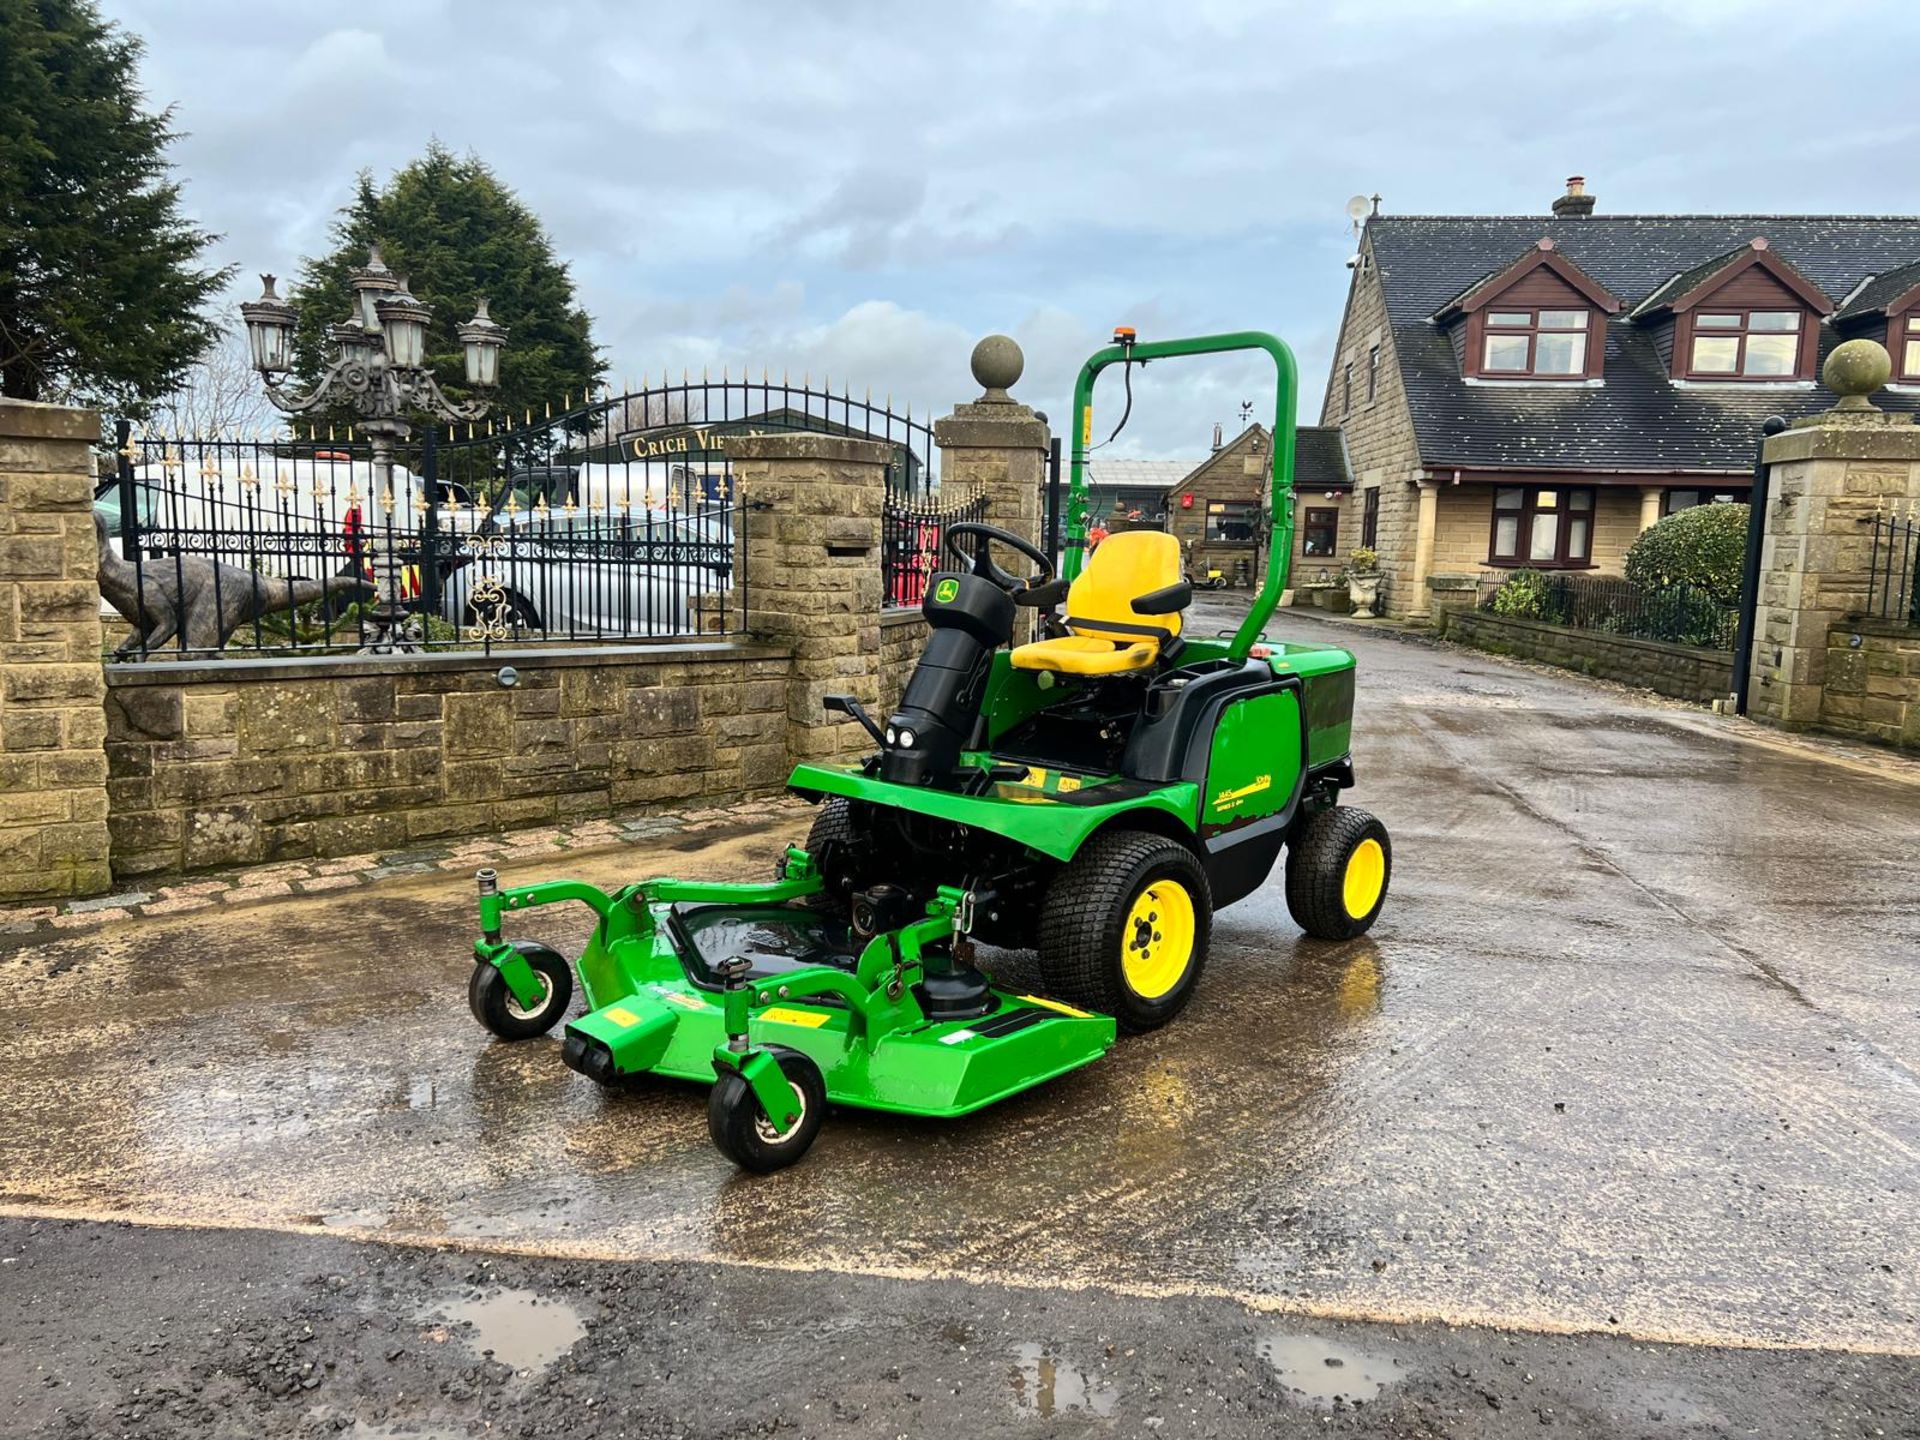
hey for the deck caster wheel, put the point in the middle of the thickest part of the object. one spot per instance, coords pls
(1125, 928)
(741, 1130)
(1339, 863)
(493, 1004)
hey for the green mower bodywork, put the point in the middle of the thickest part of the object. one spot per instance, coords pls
(1097, 818)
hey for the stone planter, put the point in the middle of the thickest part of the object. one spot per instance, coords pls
(1364, 591)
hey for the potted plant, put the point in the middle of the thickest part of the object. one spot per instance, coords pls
(1363, 582)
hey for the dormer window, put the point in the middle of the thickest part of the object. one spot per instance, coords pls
(1541, 343)
(1906, 355)
(1747, 315)
(1540, 320)
(1747, 344)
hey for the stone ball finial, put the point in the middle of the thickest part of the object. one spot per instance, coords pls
(997, 364)
(1855, 370)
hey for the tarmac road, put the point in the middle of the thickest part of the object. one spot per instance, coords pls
(1630, 1057)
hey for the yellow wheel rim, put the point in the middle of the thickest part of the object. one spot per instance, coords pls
(1366, 878)
(1157, 942)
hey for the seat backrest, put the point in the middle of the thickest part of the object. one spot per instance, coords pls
(1125, 566)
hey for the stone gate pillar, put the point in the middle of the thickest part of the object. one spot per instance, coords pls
(998, 445)
(812, 525)
(53, 728)
(1831, 473)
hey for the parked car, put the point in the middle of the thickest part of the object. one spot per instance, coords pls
(592, 573)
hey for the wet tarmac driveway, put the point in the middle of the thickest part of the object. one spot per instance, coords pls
(1633, 1048)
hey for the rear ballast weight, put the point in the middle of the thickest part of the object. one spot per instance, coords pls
(1093, 795)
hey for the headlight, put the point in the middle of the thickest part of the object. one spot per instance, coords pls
(892, 737)
(906, 739)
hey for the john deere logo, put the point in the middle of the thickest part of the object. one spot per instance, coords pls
(1227, 799)
(945, 591)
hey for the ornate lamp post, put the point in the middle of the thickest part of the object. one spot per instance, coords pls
(380, 374)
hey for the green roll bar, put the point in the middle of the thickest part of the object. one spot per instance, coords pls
(1280, 546)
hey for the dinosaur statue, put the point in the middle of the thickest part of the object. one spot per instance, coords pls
(202, 601)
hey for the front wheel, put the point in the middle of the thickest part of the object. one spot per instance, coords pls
(493, 1004)
(741, 1130)
(1339, 863)
(1126, 926)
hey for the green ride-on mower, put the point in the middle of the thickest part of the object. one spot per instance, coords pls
(1094, 795)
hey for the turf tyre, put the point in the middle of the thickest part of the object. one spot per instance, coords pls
(1084, 928)
(493, 1004)
(740, 1128)
(1318, 859)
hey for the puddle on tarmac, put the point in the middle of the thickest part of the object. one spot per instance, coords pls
(399, 1430)
(520, 1327)
(1318, 1371)
(1045, 1385)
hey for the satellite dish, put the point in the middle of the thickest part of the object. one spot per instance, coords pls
(1358, 208)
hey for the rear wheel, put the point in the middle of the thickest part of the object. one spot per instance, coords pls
(1339, 863)
(841, 854)
(1126, 926)
(741, 1130)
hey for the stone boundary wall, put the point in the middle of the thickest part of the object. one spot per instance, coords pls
(53, 804)
(903, 632)
(1679, 671)
(242, 761)
(1873, 682)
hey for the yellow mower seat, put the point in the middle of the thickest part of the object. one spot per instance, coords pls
(1109, 636)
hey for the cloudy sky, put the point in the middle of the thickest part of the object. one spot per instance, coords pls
(863, 188)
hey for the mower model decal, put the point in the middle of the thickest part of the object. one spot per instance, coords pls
(812, 1019)
(957, 1036)
(1229, 798)
(1042, 1000)
(680, 998)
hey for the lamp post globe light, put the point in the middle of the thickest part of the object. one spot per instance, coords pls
(379, 373)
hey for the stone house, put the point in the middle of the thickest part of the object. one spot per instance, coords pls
(1215, 509)
(1537, 390)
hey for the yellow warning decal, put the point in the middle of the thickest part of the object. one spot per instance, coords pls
(1036, 777)
(622, 1016)
(1069, 784)
(812, 1019)
(1046, 1004)
(1086, 427)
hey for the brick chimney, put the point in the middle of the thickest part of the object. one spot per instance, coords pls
(1576, 204)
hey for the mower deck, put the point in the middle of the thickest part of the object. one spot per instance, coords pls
(673, 1021)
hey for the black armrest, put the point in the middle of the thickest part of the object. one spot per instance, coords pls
(1165, 602)
(1043, 597)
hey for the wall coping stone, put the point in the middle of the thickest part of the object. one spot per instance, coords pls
(992, 425)
(37, 420)
(1546, 627)
(1454, 580)
(347, 667)
(1844, 442)
(1872, 625)
(809, 445)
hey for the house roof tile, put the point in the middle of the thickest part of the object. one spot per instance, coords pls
(1637, 419)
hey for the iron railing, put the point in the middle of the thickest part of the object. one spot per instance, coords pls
(910, 542)
(610, 520)
(1893, 568)
(1679, 614)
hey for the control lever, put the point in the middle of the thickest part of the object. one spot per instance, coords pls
(847, 705)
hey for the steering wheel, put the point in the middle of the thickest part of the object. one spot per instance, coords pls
(980, 562)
